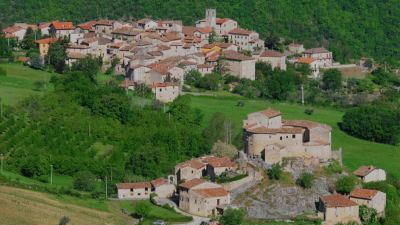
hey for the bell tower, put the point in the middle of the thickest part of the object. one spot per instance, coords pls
(211, 15)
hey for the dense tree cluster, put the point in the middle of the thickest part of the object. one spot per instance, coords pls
(350, 29)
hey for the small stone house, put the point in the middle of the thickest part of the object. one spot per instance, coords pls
(240, 65)
(189, 170)
(218, 165)
(202, 198)
(337, 208)
(323, 56)
(274, 58)
(296, 48)
(141, 190)
(371, 198)
(162, 188)
(370, 174)
(166, 92)
(61, 29)
(312, 63)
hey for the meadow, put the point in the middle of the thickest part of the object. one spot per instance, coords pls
(356, 152)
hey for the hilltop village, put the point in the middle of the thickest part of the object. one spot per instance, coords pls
(158, 53)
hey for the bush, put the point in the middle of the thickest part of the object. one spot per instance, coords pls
(64, 220)
(345, 184)
(334, 167)
(232, 217)
(275, 172)
(305, 180)
(3, 72)
(309, 111)
(142, 209)
(368, 216)
(39, 85)
(85, 181)
(152, 200)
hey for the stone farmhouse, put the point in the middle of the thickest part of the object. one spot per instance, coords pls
(323, 56)
(313, 63)
(296, 48)
(337, 208)
(166, 92)
(142, 190)
(370, 174)
(202, 198)
(371, 198)
(274, 58)
(240, 65)
(269, 138)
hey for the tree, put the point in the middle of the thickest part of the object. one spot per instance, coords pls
(29, 39)
(305, 180)
(212, 37)
(272, 41)
(232, 217)
(64, 220)
(85, 181)
(368, 216)
(36, 62)
(220, 128)
(332, 79)
(193, 77)
(89, 66)
(345, 184)
(57, 56)
(211, 81)
(180, 109)
(222, 149)
(142, 209)
(35, 166)
(275, 172)
(3, 72)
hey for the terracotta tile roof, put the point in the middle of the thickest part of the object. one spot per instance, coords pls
(155, 53)
(240, 31)
(46, 41)
(283, 130)
(204, 66)
(143, 21)
(204, 30)
(158, 182)
(271, 53)
(188, 30)
(367, 194)
(224, 45)
(219, 161)
(104, 22)
(363, 171)
(194, 163)
(63, 25)
(75, 46)
(188, 63)
(316, 50)
(192, 183)
(127, 31)
(44, 25)
(88, 25)
(23, 59)
(211, 192)
(305, 123)
(305, 60)
(221, 20)
(270, 113)
(336, 200)
(163, 47)
(172, 36)
(234, 55)
(12, 29)
(138, 185)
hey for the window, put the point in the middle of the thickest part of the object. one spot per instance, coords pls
(146, 189)
(138, 194)
(280, 138)
(131, 189)
(293, 136)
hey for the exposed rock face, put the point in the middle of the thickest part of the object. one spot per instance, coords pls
(282, 202)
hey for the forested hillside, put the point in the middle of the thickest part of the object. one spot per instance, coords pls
(349, 28)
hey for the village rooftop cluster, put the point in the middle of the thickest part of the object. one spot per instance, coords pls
(159, 53)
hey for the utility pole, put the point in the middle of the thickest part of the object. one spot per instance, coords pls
(302, 94)
(51, 174)
(1, 158)
(106, 188)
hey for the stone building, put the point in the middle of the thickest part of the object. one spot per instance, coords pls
(162, 188)
(166, 92)
(323, 56)
(312, 63)
(371, 198)
(271, 139)
(189, 170)
(44, 45)
(274, 58)
(296, 48)
(337, 208)
(245, 39)
(370, 174)
(240, 65)
(141, 190)
(202, 198)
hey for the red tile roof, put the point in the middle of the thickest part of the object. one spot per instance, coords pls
(63, 25)
(234, 55)
(12, 29)
(270, 113)
(221, 20)
(88, 25)
(363, 171)
(158, 182)
(138, 185)
(192, 183)
(336, 200)
(104, 22)
(240, 31)
(205, 30)
(219, 161)
(211, 192)
(283, 130)
(305, 124)
(271, 53)
(367, 194)
(46, 41)
(194, 163)
(305, 60)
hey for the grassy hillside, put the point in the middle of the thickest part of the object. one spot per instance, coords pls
(24, 207)
(349, 28)
(19, 82)
(356, 152)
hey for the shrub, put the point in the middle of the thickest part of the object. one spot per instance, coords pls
(142, 209)
(39, 85)
(275, 172)
(368, 215)
(305, 180)
(64, 220)
(3, 72)
(85, 181)
(334, 167)
(152, 200)
(232, 217)
(309, 111)
(345, 184)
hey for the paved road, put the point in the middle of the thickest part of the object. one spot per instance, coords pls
(196, 219)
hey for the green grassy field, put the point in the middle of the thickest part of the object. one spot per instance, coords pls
(155, 212)
(356, 152)
(19, 82)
